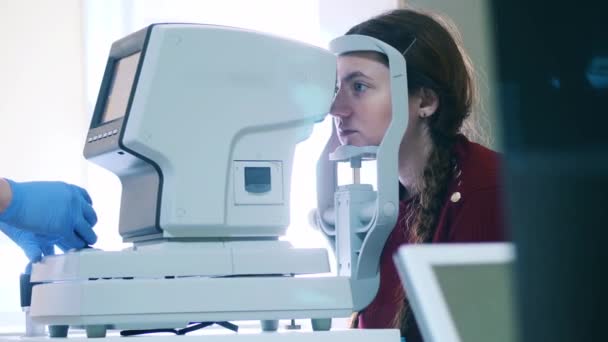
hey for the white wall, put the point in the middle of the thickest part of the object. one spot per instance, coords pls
(337, 16)
(42, 112)
(43, 120)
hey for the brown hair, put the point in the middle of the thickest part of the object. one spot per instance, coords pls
(435, 61)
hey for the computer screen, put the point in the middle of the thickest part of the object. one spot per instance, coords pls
(120, 89)
(479, 298)
(460, 291)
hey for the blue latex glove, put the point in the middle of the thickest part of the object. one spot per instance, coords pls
(35, 246)
(53, 209)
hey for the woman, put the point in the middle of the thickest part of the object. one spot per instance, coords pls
(450, 185)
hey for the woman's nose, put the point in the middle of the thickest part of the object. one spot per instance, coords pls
(340, 107)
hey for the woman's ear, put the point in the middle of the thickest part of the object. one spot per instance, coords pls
(429, 102)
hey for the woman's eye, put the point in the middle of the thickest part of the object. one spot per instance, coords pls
(359, 87)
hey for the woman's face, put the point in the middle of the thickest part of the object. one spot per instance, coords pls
(362, 106)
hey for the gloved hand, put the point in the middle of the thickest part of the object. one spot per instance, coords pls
(35, 246)
(54, 209)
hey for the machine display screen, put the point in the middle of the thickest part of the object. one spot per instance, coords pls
(120, 89)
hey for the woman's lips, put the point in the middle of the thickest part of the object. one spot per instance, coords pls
(346, 132)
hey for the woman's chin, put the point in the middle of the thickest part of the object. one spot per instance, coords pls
(352, 140)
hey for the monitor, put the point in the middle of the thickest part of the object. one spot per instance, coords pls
(460, 292)
(120, 89)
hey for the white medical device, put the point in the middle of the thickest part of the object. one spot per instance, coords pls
(200, 123)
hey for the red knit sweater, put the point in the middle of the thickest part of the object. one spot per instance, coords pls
(472, 212)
